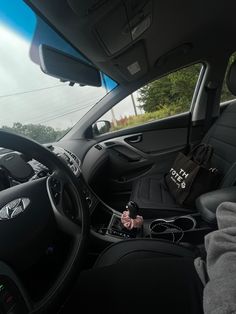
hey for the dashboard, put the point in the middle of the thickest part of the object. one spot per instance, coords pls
(85, 163)
(15, 168)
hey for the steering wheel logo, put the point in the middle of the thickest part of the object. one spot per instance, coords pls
(14, 208)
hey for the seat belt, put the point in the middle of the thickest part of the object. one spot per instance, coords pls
(189, 131)
(211, 95)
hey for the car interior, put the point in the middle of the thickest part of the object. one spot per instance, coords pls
(72, 192)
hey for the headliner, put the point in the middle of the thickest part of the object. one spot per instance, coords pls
(181, 32)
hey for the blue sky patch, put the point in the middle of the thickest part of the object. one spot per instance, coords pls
(16, 15)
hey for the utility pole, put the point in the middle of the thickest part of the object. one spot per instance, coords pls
(113, 117)
(135, 109)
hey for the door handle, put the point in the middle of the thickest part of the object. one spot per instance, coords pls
(135, 139)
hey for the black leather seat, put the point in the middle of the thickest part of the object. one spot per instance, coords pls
(130, 250)
(141, 276)
(151, 193)
(154, 199)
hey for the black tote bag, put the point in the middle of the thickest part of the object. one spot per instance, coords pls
(191, 175)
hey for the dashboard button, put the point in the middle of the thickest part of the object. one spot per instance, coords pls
(89, 201)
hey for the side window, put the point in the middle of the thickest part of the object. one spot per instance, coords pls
(225, 93)
(167, 96)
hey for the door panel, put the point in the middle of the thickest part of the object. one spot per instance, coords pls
(125, 152)
(148, 151)
(160, 140)
(124, 169)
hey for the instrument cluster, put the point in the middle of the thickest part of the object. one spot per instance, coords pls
(72, 161)
(16, 169)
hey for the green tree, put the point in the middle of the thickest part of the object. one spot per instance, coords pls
(225, 93)
(37, 132)
(175, 89)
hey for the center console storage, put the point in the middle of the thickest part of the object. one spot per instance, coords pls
(107, 227)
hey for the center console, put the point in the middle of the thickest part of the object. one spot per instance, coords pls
(106, 226)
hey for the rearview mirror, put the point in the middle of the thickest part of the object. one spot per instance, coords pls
(101, 127)
(67, 68)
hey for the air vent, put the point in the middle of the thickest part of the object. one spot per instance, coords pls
(78, 161)
(99, 147)
(108, 144)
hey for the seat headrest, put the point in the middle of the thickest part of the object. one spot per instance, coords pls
(231, 78)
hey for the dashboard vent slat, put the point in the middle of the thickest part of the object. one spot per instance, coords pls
(98, 147)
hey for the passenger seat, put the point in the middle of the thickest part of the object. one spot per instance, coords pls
(151, 193)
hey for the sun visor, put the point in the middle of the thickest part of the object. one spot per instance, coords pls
(133, 63)
(45, 35)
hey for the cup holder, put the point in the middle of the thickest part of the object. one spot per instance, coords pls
(183, 223)
(157, 226)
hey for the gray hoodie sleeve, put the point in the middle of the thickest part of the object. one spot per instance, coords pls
(220, 291)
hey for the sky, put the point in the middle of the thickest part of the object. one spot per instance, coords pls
(27, 95)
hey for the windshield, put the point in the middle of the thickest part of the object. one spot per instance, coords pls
(31, 102)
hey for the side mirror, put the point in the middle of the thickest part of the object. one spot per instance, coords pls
(101, 127)
(67, 68)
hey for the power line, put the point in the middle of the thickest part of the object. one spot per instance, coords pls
(64, 114)
(56, 116)
(59, 111)
(31, 91)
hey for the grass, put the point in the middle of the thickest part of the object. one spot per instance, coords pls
(131, 121)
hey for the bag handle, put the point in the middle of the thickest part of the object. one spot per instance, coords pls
(201, 154)
(196, 148)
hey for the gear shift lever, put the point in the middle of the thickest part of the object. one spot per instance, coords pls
(129, 218)
(133, 209)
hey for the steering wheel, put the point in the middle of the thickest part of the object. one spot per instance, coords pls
(33, 213)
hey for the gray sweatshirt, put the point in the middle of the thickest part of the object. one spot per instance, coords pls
(219, 296)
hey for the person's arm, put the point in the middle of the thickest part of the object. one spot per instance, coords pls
(220, 291)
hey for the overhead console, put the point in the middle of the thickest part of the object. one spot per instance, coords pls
(124, 24)
(132, 64)
(119, 31)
